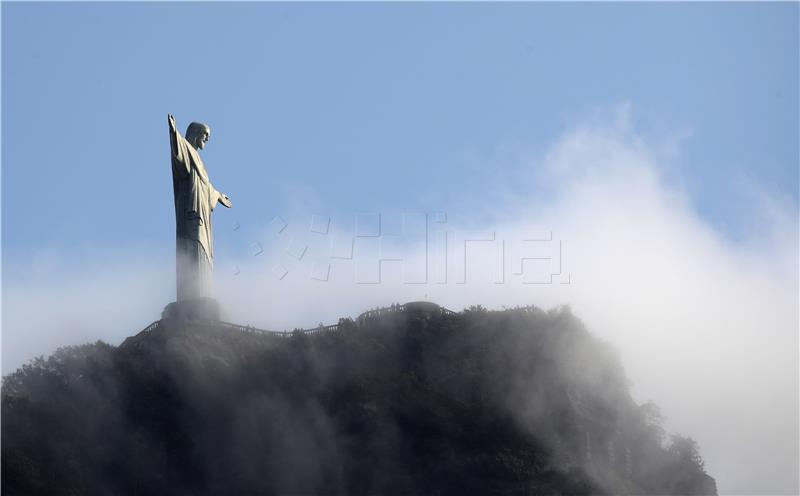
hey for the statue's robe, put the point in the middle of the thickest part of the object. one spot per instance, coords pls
(195, 199)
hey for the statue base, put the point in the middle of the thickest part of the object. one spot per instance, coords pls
(196, 309)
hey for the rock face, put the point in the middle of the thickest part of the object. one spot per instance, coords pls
(411, 402)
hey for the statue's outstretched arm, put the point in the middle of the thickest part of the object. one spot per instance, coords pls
(178, 146)
(219, 197)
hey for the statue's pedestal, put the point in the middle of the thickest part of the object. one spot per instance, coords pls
(197, 309)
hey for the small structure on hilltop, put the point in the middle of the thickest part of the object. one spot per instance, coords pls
(425, 309)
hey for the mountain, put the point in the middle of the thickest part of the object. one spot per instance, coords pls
(412, 399)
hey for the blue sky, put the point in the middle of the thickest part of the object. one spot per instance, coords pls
(372, 106)
(658, 142)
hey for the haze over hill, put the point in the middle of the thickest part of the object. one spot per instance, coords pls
(648, 273)
(410, 400)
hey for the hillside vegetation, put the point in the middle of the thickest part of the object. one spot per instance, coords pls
(480, 402)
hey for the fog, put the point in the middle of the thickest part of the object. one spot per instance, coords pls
(706, 325)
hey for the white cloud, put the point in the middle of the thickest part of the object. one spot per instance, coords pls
(706, 327)
(54, 305)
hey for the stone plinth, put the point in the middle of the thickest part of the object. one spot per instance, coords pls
(196, 309)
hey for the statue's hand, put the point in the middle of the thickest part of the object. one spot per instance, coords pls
(171, 121)
(226, 202)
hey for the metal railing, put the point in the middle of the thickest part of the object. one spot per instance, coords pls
(152, 326)
(360, 320)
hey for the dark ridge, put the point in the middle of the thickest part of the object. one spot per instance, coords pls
(411, 400)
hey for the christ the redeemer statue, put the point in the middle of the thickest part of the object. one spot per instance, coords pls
(195, 199)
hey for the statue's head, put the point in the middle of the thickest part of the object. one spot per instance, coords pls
(197, 134)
